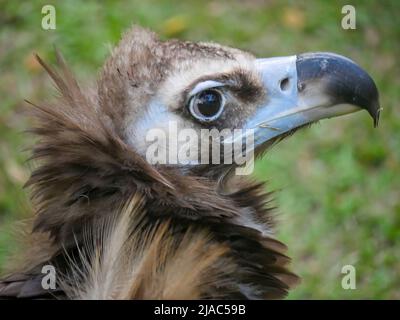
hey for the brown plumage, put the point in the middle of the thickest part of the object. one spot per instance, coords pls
(118, 227)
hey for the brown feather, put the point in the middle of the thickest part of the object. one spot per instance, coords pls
(177, 236)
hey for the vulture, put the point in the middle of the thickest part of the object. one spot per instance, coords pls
(112, 223)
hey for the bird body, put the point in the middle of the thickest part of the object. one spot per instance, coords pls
(114, 225)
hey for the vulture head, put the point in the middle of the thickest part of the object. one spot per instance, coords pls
(127, 207)
(170, 87)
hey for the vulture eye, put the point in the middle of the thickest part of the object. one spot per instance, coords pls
(207, 105)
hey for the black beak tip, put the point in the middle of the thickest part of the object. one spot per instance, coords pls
(368, 99)
(375, 113)
(345, 81)
(367, 95)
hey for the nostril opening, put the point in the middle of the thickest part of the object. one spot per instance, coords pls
(284, 84)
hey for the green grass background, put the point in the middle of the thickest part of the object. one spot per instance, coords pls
(338, 183)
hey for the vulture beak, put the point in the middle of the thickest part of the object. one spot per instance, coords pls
(308, 87)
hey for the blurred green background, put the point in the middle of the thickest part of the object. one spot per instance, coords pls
(338, 183)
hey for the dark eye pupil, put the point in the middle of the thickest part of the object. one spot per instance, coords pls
(208, 103)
